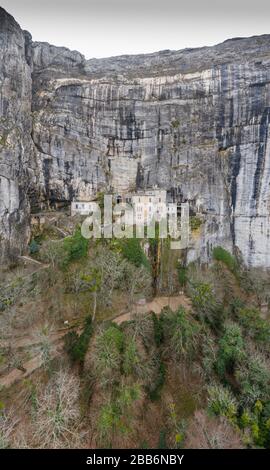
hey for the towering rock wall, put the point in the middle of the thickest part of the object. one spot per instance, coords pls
(15, 136)
(196, 120)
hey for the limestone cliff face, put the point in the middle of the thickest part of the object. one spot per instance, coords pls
(15, 136)
(194, 120)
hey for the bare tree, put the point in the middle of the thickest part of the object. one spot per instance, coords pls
(56, 421)
(44, 345)
(137, 280)
(8, 423)
(52, 252)
(211, 433)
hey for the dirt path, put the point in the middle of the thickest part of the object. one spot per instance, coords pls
(30, 366)
(36, 362)
(26, 276)
(156, 305)
(28, 341)
(31, 260)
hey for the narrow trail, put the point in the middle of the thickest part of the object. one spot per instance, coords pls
(156, 305)
(30, 366)
(31, 340)
(56, 337)
(26, 276)
(30, 260)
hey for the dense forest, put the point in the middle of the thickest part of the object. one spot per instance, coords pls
(86, 362)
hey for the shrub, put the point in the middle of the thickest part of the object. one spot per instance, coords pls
(127, 394)
(220, 254)
(175, 123)
(182, 275)
(33, 247)
(234, 306)
(76, 247)
(254, 326)
(202, 296)
(131, 250)
(195, 222)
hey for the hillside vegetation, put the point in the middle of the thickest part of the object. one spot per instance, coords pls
(197, 377)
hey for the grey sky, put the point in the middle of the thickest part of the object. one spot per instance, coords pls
(102, 28)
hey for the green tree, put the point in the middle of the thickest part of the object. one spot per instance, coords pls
(108, 354)
(131, 250)
(231, 349)
(77, 345)
(254, 378)
(76, 247)
(181, 333)
(254, 326)
(93, 283)
(131, 359)
(220, 254)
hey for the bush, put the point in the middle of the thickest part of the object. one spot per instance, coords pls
(33, 247)
(76, 247)
(202, 296)
(182, 275)
(254, 326)
(219, 254)
(131, 250)
(195, 222)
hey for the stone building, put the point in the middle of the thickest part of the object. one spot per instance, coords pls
(82, 207)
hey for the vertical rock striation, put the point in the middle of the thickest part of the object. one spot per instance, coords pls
(15, 135)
